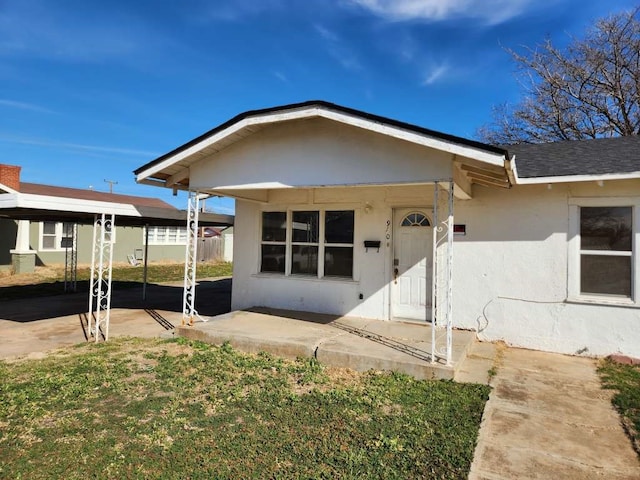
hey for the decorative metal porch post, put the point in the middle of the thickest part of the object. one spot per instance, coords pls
(191, 259)
(441, 288)
(100, 283)
(70, 257)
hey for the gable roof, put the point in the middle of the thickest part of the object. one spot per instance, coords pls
(619, 156)
(171, 169)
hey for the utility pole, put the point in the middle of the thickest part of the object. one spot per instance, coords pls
(111, 184)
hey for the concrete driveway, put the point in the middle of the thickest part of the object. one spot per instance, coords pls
(34, 326)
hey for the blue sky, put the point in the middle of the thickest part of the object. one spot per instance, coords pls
(91, 90)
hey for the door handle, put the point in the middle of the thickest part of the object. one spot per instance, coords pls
(395, 275)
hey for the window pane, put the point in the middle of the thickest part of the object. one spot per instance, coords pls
(274, 226)
(304, 259)
(605, 228)
(67, 229)
(605, 275)
(305, 227)
(338, 261)
(49, 242)
(161, 234)
(49, 228)
(172, 233)
(272, 258)
(338, 227)
(416, 219)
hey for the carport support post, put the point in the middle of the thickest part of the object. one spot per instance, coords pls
(100, 283)
(146, 256)
(70, 257)
(190, 261)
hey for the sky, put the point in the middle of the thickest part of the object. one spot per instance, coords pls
(91, 90)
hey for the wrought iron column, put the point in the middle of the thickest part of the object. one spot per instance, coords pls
(190, 261)
(70, 256)
(100, 283)
(441, 289)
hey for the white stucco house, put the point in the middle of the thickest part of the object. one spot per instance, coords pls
(343, 212)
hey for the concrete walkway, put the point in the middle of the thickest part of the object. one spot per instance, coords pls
(548, 418)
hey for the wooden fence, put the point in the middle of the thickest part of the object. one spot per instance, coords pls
(210, 249)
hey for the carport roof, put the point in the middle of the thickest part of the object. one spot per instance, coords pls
(47, 202)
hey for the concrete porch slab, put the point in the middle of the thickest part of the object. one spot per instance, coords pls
(357, 343)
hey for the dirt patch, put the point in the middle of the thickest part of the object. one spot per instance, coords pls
(41, 275)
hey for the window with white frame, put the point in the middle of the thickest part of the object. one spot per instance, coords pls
(167, 235)
(604, 237)
(308, 242)
(606, 250)
(56, 235)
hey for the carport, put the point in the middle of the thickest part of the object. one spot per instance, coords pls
(103, 211)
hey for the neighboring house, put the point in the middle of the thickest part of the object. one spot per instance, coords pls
(336, 209)
(50, 231)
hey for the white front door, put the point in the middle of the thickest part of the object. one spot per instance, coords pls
(412, 264)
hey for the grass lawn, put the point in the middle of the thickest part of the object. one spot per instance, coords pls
(625, 381)
(50, 280)
(134, 408)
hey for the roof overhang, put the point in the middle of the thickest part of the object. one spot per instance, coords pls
(24, 206)
(475, 162)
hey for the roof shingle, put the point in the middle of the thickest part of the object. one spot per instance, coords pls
(577, 157)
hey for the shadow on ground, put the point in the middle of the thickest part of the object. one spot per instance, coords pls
(213, 297)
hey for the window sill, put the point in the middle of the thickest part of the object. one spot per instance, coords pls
(603, 301)
(305, 278)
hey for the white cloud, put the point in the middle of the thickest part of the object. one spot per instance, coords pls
(326, 33)
(434, 74)
(490, 11)
(76, 146)
(24, 106)
(280, 76)
(338, 49)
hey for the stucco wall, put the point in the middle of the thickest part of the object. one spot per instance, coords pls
(510, 278)
(511, 272)
(313, 152)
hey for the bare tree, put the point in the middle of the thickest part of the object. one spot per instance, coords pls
(591, 89)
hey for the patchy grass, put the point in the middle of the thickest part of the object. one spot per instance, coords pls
(50, 280)
(625, 381)
(134, 408)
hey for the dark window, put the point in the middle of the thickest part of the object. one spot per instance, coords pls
(606, 250)
(338, 261)
(274, 226)
(305, 246)
(338, 247)
(272, 259)
(305, 227)
(304, 260)
(338, 226)
(274, 235)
